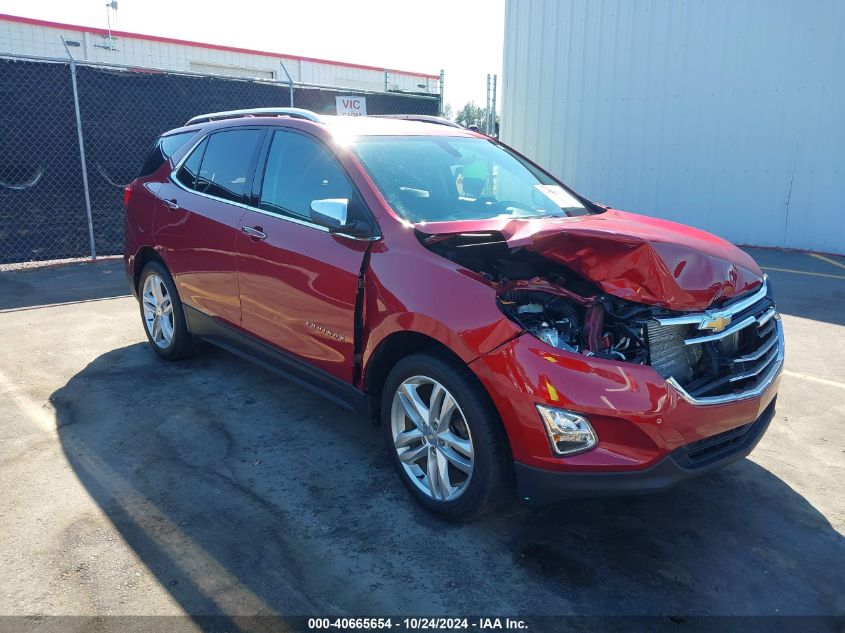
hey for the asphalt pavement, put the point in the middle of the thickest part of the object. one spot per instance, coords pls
(134, 486)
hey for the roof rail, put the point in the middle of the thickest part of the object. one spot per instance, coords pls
(424, 118)
(297, 113)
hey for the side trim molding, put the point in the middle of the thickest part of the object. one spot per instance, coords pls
(272, 359)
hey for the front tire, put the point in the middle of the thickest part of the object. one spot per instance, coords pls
(162, 314)
(444, 437)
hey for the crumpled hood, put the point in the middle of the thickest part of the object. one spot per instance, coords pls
(631, 256)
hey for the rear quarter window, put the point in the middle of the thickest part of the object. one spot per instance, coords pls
(164, 148)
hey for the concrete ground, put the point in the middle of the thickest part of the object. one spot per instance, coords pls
(132, 486)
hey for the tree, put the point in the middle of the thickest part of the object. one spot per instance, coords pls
(471, 114)
(447, 111)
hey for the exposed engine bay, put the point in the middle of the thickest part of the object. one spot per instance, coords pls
(570, 313)
(596, 324)
(551, 302)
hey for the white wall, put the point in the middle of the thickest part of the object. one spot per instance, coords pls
(45, 41)
(724, 114)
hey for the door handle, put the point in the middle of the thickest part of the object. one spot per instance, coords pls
(254, 232)
(171, 204)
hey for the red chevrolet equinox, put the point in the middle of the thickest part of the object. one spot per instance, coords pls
(506, 332)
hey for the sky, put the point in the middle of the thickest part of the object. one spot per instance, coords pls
(462, 37)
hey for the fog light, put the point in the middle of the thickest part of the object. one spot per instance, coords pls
(569, 432)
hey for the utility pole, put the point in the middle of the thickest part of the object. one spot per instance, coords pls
(110, 6)
(487, 108)
(493, 109)
(442, 77)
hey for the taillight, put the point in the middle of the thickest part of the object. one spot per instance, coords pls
(127, 195)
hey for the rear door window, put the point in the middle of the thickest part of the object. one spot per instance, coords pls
(226, 163)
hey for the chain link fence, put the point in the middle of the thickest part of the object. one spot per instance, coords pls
(43, 211)
(42, 203)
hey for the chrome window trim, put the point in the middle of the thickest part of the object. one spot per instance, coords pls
(248, 207)
(757, 391)
(700, 318)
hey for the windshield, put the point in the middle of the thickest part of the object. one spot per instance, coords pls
(442, 178)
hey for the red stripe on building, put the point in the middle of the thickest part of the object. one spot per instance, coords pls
(218, 47)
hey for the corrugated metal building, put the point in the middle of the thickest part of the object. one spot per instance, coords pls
(725, 115)
(39, 38)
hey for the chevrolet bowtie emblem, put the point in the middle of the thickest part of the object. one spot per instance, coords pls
(716, 323)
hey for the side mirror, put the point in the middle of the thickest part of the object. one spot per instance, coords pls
(331, 212)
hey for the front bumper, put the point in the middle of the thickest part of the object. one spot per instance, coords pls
(640, 418)
(540, 487)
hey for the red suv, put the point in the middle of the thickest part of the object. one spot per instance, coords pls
(501, 327)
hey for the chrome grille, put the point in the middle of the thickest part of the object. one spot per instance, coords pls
(710, 367)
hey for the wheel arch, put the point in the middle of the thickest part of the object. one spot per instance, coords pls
(389, 351)
(144, 256)
(392, 348)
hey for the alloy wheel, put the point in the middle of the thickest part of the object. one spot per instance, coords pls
(158, 310)
(431, 438)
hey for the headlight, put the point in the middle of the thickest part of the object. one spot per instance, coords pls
(568, 431)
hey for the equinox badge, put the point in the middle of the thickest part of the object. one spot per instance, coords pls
(323, 330)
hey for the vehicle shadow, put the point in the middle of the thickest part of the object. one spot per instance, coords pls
(245, 494)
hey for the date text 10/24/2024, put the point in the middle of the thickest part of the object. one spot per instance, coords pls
(417, 624)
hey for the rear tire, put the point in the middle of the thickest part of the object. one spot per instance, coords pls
(444, 437)
(162, 314)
